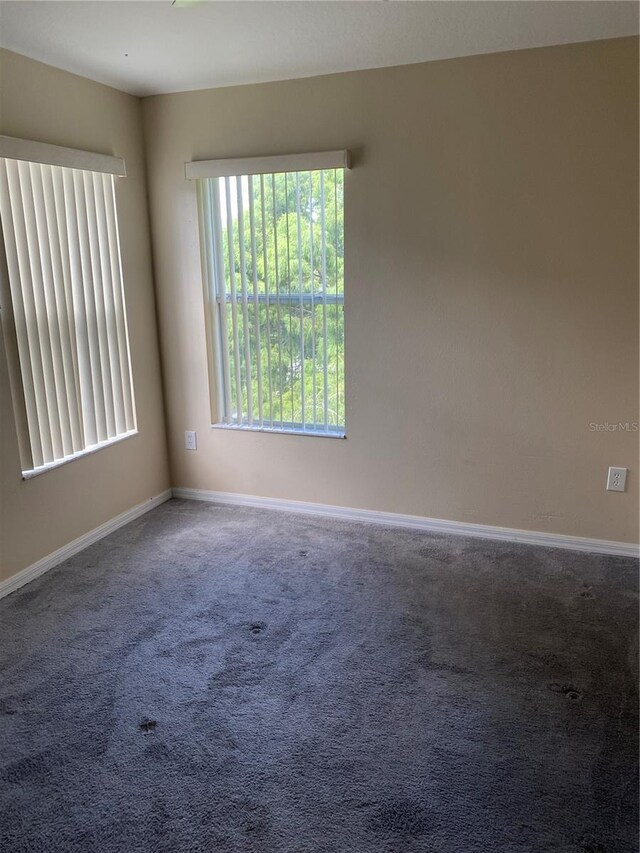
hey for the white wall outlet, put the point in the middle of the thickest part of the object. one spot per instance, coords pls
(617, 479)
(190, 442)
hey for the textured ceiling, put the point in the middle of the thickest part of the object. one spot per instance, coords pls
(153, 47)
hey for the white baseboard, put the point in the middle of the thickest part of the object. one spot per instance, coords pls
(417, 522)
(36, 569)
(392, 519)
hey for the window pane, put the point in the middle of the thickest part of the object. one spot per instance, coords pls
(279, 286)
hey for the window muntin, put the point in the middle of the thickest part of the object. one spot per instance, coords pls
(72, 388)
(273, 257)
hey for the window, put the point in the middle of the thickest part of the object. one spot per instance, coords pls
(273, 259)
(66, 329)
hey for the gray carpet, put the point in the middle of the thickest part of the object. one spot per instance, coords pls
(222, 679)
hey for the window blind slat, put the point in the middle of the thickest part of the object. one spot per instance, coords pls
(120, 326)
(98, 294)
(325, 361)
(277, 290)
(88, 289)
(245, 304)
(266, 293)
(337, 307)
(289, 312)
(81, 319)
(220, 287)
(54, 293)
(234, 303)
(302, 358)
(64, 284)
(256, 304)
(312, 288)
(10, 228)
(212, 324)
(115, 370)
(31, 273)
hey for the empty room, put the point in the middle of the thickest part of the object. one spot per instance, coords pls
(319, 426)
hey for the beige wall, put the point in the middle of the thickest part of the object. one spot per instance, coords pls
(492, 303)
(40, 515)
(491, 286)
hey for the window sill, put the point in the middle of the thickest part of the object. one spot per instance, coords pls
(42, 469)
(284, 430)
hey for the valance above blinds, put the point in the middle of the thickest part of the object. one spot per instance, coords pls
(268, 165)
(14, 148)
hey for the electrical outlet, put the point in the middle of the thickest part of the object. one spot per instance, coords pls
(617, 479)
(190, 440)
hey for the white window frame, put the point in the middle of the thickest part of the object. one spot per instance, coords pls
(212, 268)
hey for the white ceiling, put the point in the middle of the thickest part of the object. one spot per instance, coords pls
(152, 47)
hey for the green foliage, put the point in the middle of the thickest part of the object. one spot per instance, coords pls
(283, 247)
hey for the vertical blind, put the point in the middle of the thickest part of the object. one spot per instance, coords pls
(273, 259)
(65, 281)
